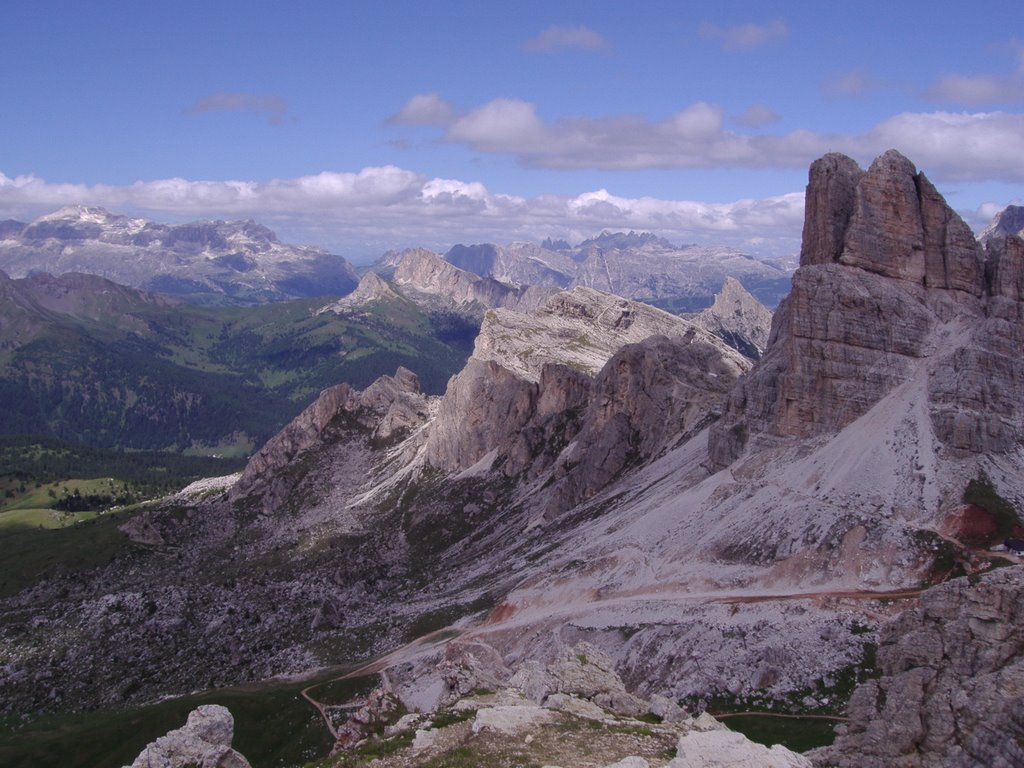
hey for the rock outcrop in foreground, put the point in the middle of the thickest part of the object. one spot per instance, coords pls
(203, 742)
(464, 704)
(892, 285)
(952, 685)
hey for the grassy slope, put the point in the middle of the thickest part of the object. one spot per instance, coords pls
(209, 379)
(274, 727)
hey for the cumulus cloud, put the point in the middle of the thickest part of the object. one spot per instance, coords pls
(956, 146)
(562, 38)
(273, 107)
(363, 214)
(424, 109)
(756, 116)
(744, 36)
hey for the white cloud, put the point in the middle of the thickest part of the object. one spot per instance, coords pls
(362, 214)
(954, 146)
(499, 126)
(562, 38)
(950, 145)
(744, 36)
(756, 116)
(222, 101)
(424, 109)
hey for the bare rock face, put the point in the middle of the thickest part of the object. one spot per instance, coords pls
(892, 285)
(737, 318)
(388, 408)
(612, 403)
(203, 742)
(649, 396)
(952, 686)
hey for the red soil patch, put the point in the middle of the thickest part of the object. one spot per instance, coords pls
(500, 613)
(975, 527)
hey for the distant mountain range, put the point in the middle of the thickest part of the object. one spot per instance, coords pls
(204, 262)
(633, 265)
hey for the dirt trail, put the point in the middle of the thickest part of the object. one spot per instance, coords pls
(379, 666)
(726, 715)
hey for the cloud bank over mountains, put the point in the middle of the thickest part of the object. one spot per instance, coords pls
(957, 146)
(363, 214)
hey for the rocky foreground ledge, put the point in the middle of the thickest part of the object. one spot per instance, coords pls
(573, 712)
(203, 742)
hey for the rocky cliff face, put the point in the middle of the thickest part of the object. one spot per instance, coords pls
(238, 262)
(892, 285)
(951, 690)
(736, 317)
(388, 409)
(630, 379)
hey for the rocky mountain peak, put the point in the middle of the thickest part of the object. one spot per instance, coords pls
(423, 274)
(892, 287)
(619, 240)
(372, 288)
(889, 220)
(1009, 221)
(389, 407)
(737, 318)
(94, 214)
(583, 388)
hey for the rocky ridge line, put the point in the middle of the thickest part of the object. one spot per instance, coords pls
(427, 280)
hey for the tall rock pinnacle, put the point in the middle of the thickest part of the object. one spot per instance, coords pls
(892, 285)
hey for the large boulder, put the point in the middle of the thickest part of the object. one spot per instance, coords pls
(203, 742)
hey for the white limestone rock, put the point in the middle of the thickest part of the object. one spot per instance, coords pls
(203, 742)
(511, 720)
(728, 749)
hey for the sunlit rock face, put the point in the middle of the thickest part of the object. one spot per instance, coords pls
(892, 285)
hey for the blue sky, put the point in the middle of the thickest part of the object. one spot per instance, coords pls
(363, 127)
